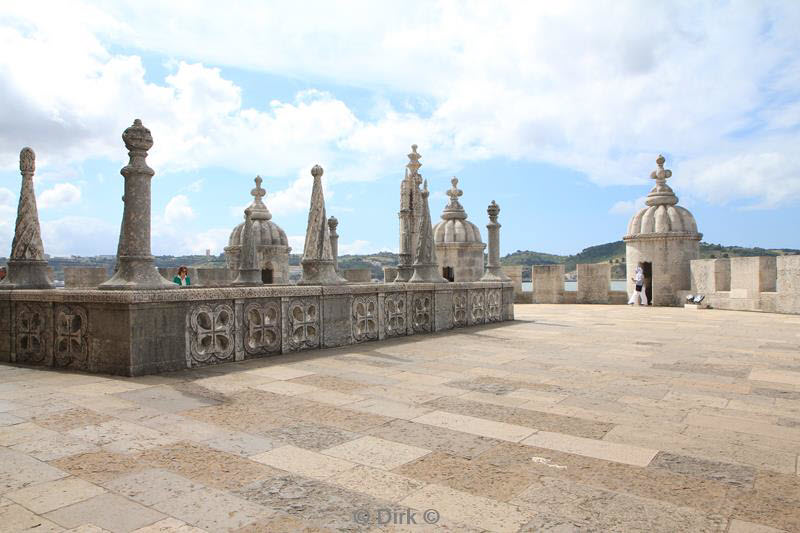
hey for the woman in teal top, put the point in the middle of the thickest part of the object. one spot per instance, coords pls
(183, 277)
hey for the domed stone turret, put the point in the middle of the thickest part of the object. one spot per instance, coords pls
(663, 238)
(459, 248)
(271, 243)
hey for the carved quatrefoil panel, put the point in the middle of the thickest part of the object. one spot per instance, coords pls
(303, 324)
(211, 334)
(422, 311)
(32, 333)
(477, 307)
(459, 308)
(262, 328)
(365, 318)
(494, 305)
(394, 314)
(71, 346)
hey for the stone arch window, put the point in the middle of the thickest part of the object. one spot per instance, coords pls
(267, 274)
(448, 273)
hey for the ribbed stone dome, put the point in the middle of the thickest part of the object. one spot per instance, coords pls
(662, 214)
(265, 232)
(454, 226)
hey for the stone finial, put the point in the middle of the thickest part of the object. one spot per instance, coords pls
(454, 193)
(493, 210)
(27, 161)
(257, 209)
(318, 262)
(137, 138)
(249, 273)
(661, 194)
(27, 267)
(333, 223)
(414, 164)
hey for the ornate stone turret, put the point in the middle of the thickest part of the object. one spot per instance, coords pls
(317, 262)
(410, 214)
(663, 237)
(270, 242)
(459, 248)
(135, 264)
(333, 223)
(426, 268)
(494, 272)
(27, 267)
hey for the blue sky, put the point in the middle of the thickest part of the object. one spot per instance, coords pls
(556, 112)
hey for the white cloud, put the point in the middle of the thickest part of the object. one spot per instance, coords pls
(599, 88)
(195, 186)
(178, 210)
(297, 243)
(61, 195)
(627, 207)
(79, 235)
(215, 239)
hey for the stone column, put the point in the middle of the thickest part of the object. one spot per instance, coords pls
(410, 211)
(27, 267)
(249, 273)
(317, 259)
(332, 225)
(494, 272)
(135, 265)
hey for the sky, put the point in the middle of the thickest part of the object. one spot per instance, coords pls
(555, 110)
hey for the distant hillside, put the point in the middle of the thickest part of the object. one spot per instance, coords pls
(613, 252)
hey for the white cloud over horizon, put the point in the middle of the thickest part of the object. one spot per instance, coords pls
(600, 88)
(60, 195)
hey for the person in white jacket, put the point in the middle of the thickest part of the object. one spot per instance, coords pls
(638, 293)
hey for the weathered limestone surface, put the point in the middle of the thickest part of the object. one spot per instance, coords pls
(769, 284)
(751, 276)
(710, 275)
(458, 241)
(27, 268)
(135, 264)
(85, 277)
(594, 283)
(664, 235)
(271, 243)
(389, 274)
(146, 332)
(357, 275)
(409, 215)
(318, 263)
(425, 267)
(494, 272)
(548, 284)
(564, 429)
(333, 223)
(514, 273)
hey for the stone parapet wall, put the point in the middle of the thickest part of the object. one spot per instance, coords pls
(765, 283)
(146, 332)
(357, 275)
(594, 283)
(548, 284)
(84, 277)
(515, 273)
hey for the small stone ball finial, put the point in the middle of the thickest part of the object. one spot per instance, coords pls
(333, 222)
(27, 160)
(137, 137)
(414, 148)
(258, 192)
(660, 161)
(316, 171)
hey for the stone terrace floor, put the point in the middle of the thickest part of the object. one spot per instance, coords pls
(573, 418)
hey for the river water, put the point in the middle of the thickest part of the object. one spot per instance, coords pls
(616, 285)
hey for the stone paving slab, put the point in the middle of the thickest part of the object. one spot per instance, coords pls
(552, 422)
